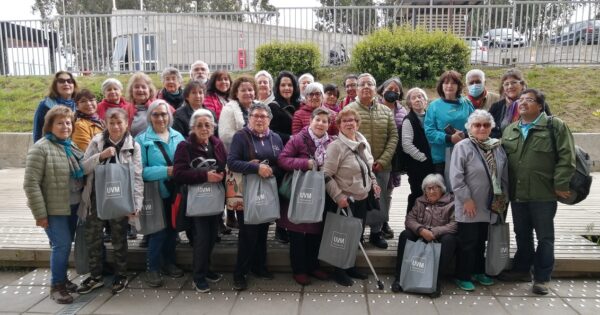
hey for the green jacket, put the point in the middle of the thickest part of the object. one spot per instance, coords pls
(378, 126)
(535, 170)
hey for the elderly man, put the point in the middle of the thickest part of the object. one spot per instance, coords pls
(350, 83)
(379, 128)
(479, 96)
(541, 162)
(199, 71)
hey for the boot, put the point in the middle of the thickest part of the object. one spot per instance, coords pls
(60, 295)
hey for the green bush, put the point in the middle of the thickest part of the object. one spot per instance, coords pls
(416, 56)
(295, 57)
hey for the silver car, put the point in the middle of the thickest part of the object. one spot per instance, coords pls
(503, 37)
(479, 53)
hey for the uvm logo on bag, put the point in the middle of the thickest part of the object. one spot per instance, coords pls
(113, 189)
(147, 208)
(261, 199)
(203, 190)
(417, 264)
(504, 251)
(339, 240)
(305, 196)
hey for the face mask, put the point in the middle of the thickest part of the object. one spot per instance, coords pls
(391, 96)
(475, 90)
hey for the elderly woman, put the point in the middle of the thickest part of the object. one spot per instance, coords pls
(141, 93)
(114, 145)
(446, 117)
(431, 219)
(304, 151)
(217, 92)
(479, 177)
(303, 81)
(201, 145)
(62, 90)
(313, 98)
(349, 178)
(234, 116)
(287, 101)
(415, 144)
(251, 145)
(171, 92)
(53, 182)
(158, 144)
(332, 96)
(264, 83)
(193, 94)
(199, 71)
(380, 131)
(479, 96)
(87, 123)
(112, 89)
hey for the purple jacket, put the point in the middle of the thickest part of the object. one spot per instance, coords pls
(189, 150)
(295, 156)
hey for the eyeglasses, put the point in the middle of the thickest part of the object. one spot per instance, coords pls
(351, 85)
(259, 116)
(366, 84)
(479, 125)
(205, 125)
(315, 94)
(65, 81)
(347, 121)
(511, 83)
(433, 188)
(160, 115)
(526, 100)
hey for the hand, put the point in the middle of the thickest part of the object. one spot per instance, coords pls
(169, 171)
(470, 209)
(457, 136)
(311, 164)
(265, 171)
(563, 194)
(376, 190)
(135, 214)
(427, 235)
(343, 202)
(214, 177)
(377, 167)
(43, 223)
(107, 153)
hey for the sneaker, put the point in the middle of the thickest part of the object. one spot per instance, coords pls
(132, 233)
(281, 235)
(144, 242)
(60, 295)
(90, 284)
(119, 284)
(107, 238)
(232, 223)
(341, 277)
(183, 239)
(320, 274)
(301, 279)
(71, 287)
(396, 288)
(540, 288)
(356, 274)
(213, 277)
(239, 283)
(224, 229)
(263, 274)
(465, 285)
(514, 276)
(153, 279)
(387, 231)
(172, 271)
(483, 279)
(378, 241)
(201, 286)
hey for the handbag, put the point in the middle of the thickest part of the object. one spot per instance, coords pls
(497, 255)
(152, 215)
(234, 198)
(113, 184)
(82, 258)
(261, 199)
(307, 200)
(285, 189)
(420, 265)
(341, 235)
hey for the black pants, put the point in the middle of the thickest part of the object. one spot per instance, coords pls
(415, 179)
(252, 247)
(204, 230)
(448, 242)
(304, 252)
(471, 248)
(439, 168)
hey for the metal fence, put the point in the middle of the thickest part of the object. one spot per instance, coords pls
(521, 33)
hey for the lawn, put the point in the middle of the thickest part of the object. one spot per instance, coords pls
(573, 93)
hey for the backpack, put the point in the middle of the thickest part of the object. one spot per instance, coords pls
(581, 181)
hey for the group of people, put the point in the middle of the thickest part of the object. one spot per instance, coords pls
(464, 164)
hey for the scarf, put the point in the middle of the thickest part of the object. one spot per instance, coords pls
(477, 102)
(498, 202)
(118, 146)
(95, 119)
(260, 135)
(320, 148)
(73, 156)
(174, 99)
(511, 115)
(69, 103)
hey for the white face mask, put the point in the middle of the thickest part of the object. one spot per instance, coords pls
(476, 89)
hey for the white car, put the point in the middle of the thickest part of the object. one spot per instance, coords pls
(479, 53)
(503, 37)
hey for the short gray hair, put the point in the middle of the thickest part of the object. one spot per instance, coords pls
(434, 179)
(306, 76)
(171, 71)
(479, 115)
(201, 112)
(256, 106)
(475, 72)
(367, 75)
(266, 74)
(199, 62)
(313, 87)
(153, 106)
(413, 91)
(111, 81)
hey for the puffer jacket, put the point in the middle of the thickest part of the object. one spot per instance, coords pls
(130, 153)
(230, 121)
(379, 128)
(302, 118)
(83, 132)
(437, 217)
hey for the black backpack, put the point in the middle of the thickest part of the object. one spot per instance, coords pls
(581, 181)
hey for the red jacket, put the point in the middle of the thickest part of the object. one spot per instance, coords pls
(302, 118)
(211, 101)
(106, 105)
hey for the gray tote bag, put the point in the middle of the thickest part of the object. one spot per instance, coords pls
(341, 236)
(307, 200)
(205, 199)
(497, 255)
(261, 199)
(420, 264)
(81, 250)
(152, 215)
(113, 183)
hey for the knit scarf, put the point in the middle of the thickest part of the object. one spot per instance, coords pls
(511, 115)
(320, 148)
(95, 119)
(174, 99)
(498, 201)
(69, 103)
(72, 156)
(477, 102)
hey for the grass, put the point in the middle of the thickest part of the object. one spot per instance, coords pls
(573, 93)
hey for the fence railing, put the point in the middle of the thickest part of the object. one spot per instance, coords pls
(521, 33)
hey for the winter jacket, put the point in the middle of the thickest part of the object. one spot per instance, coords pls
(181, 119)
(187, 151)
(535, 169)
(106, 105)
(246, 146)
(302, 118)
(281, 123)
(437, 217)
(40, 114)
(83, 132)
(232, 120)
(379, 128)
(212, 102)
(129, 154)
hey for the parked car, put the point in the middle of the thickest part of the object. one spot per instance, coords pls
(503, 37)
(585, 32)
(479, 53)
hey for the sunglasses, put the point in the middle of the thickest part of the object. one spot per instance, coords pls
(479, 125)
(63, 81)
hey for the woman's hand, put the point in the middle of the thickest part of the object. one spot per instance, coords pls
(169, 171)
(377, 167)
(470, 209)
(457, 136)
(427, 235)
(376, 190)
(563, 194)
(214, 177)
(43, 223)
(265, 171)
(311, 164)
(107, 153)
(343, 202)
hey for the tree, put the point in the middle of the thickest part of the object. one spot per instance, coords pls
(342, 20)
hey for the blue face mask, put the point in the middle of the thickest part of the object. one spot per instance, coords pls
(476, 89)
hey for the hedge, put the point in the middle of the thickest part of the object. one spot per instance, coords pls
(296, 57)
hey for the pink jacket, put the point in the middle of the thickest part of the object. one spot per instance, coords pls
(211, 101)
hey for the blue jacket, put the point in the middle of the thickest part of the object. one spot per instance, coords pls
(441, 113)
(40, 114)
(155, 165)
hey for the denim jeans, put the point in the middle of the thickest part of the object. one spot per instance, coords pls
(60, 231)
(539, 217)
(161, 245)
